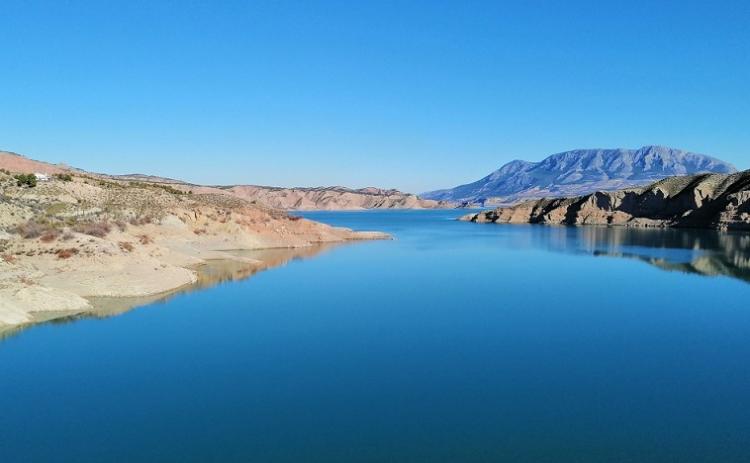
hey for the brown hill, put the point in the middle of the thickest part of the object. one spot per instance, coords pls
(20, 164)
(334, 198)
(698, 201)
(67, 239)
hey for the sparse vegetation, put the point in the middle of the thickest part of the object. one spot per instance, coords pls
(66, 253)
(55, 209)
(168, 188)
(64, 177)
(142, 220)
(33, 229)
(50, 236)
(97, 229)
(25, 180)
(145, 239)
(126, 246)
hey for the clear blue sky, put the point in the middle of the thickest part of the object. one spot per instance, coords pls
(413, 95)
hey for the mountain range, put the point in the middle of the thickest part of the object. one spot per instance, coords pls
(580, 172)
(298, 198)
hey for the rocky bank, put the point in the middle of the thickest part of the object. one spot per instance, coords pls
(714, 201)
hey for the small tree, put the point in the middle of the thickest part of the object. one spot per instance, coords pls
(26, 179)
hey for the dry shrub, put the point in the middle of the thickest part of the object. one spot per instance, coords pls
(125, 246)
(120, 225)
(67, 236)
(145, 239)
(98, 229)
(49, 236)
(9, 258)
(66, 253)
(294, 218)
(145, 220)
(31, 229)
(200, 231)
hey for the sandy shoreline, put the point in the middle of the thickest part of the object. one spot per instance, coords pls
(108, 286)
(236, 265)
(71, 239)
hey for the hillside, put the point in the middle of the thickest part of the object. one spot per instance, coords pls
(579, 172)
(79, 236)
(698, 201)
(333, 198)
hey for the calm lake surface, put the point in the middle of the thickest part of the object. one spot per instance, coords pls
(456, 342)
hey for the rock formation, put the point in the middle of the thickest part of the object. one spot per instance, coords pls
(334, 198)
(698, 201)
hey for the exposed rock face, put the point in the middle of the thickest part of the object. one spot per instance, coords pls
(581, 172)
(698, 201)
(334, 198)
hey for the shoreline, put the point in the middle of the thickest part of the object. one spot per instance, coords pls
(213, 268)
(69, 239)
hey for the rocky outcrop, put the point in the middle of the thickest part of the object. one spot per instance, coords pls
(580, 172)
(698, 201)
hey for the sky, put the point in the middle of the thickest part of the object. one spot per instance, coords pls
(413, 95)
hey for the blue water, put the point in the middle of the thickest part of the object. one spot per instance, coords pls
(455, 342)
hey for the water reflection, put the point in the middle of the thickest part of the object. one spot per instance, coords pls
(211, 273)
(702, 252)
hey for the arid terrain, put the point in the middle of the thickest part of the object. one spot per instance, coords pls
(75, 236)
(334, 198)
(580, 172)
(699, 201)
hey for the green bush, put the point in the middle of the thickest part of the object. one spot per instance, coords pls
(26, 179)
(64, 177)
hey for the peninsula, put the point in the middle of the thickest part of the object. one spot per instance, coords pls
(67, 236)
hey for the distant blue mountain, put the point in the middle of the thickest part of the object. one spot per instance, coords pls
(580, 172)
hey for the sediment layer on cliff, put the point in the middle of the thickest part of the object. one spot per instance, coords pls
(699, 201)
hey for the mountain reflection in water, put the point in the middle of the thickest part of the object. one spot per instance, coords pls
(702, 252)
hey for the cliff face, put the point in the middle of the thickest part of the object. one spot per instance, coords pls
(580, 172)
(333, 198)
(698, 201)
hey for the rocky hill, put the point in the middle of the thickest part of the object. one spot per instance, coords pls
(579, 172)
(315, 198)
(333, 198)
(698, 201)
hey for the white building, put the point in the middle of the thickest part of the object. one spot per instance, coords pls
(41, 177)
